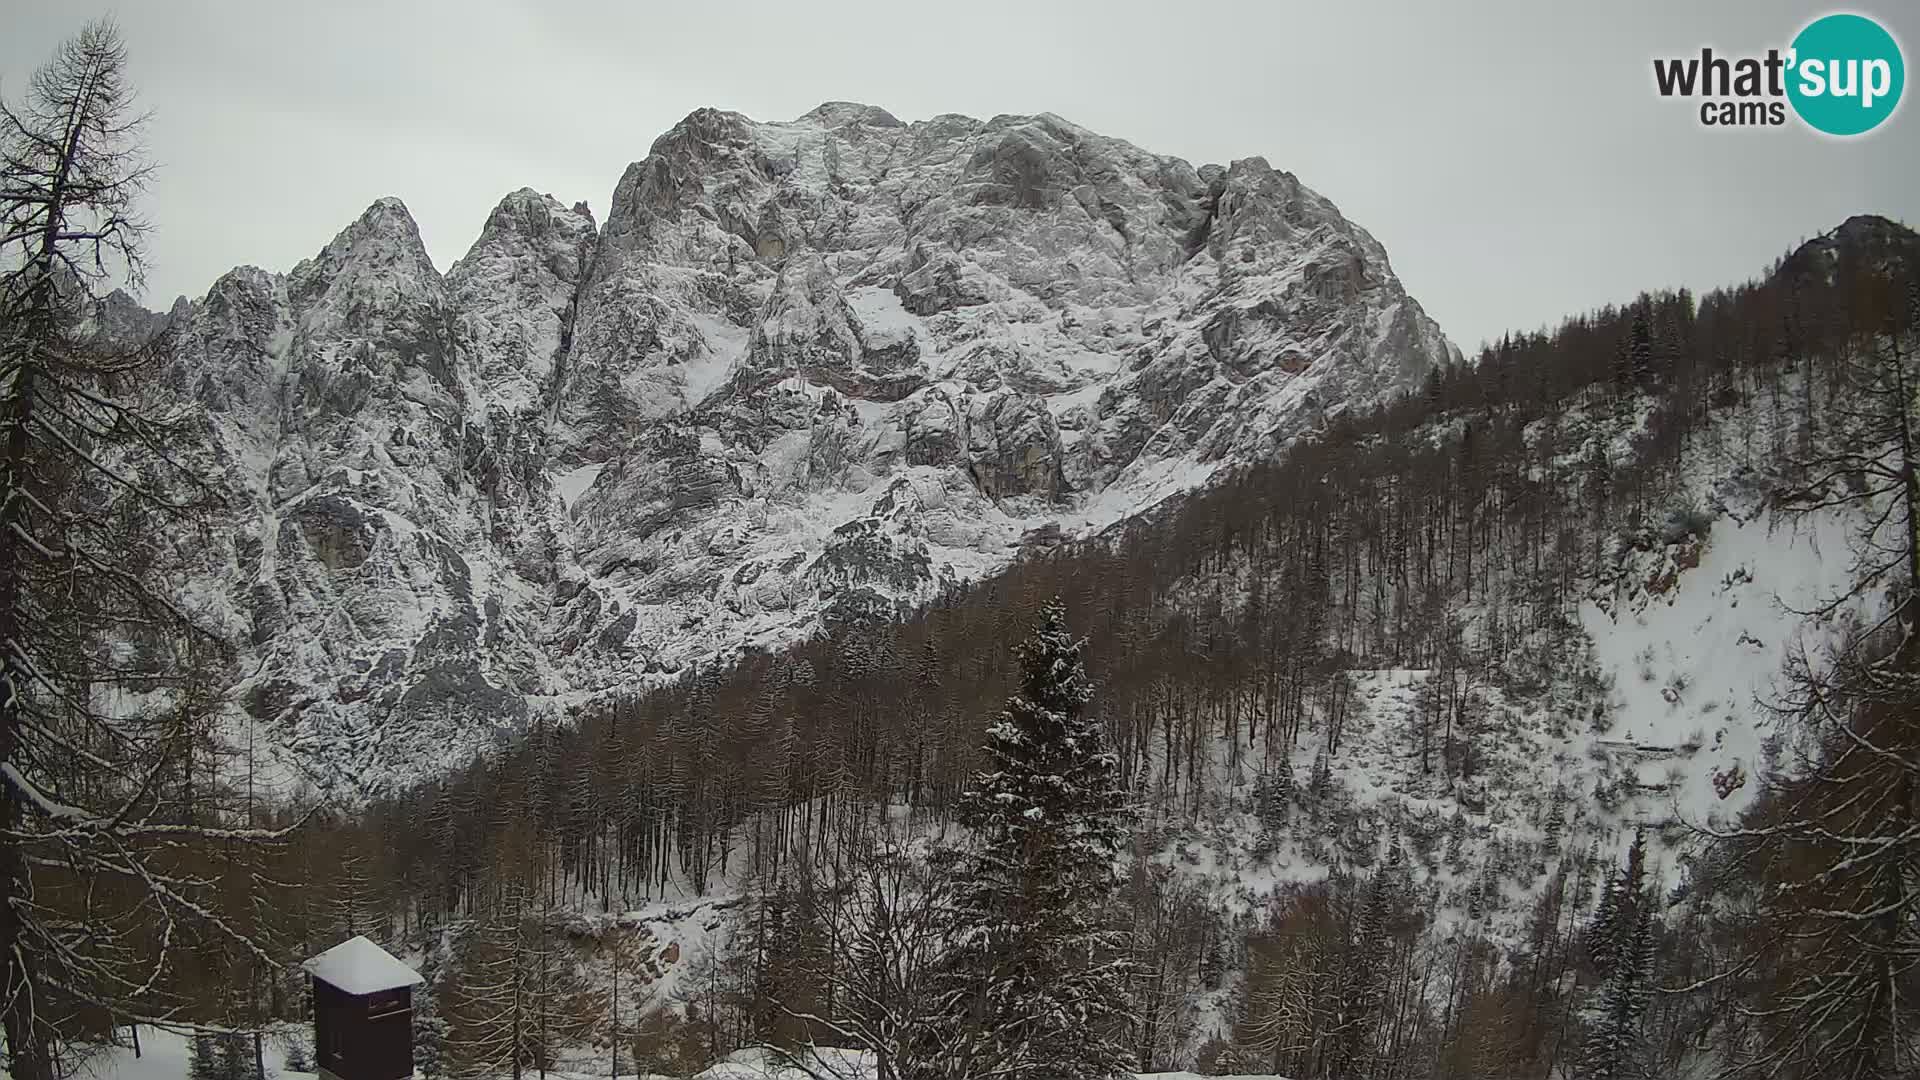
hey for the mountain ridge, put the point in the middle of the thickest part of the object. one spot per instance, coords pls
(804, 371)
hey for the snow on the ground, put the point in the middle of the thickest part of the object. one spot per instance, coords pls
(163, 1056)
(756, 1063)
(1140, 489)
(1695, 659)
(574, 482)
(726, 344)
(884, 321)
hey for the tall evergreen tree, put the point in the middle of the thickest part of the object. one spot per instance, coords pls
(1640, 348)
(1616, 1047)
(1621, 943)
(1364, 984)
(429, 1021)
(1035, 981)
(1616, 916)
(223, 1056)
(1273, 796)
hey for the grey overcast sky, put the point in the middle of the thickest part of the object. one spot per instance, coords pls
(1513, 157)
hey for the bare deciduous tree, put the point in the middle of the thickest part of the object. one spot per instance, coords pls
(886, 986)
(101, 841)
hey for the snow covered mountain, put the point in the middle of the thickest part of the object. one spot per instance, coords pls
(805, 370)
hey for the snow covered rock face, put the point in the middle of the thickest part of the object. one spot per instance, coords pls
(806, 370)
(381, 513)
(512, 296)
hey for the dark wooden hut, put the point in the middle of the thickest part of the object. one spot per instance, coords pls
(362, 1012)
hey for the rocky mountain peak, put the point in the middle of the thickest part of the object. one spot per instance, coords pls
(513, 294)
(1872, 238)
(838, 114)
(382, 246)
(805, 371)
(529, 216)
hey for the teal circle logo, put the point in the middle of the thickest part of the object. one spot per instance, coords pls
(1845, 74)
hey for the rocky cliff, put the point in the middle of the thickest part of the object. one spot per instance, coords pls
(804, 371)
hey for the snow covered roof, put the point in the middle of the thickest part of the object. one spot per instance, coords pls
(358, 966)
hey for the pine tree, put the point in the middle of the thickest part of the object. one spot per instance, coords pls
(1640, 349)
(1615, 1047)
(227, 1055)
(299, 1055)
(1273, 796)
(1556, 814)
(1621, 943)
(203, 1059)
(429, 1021)
(1615, 917)
(1035, 983)
(1364, 982)
(236, 1057)
(1320, 783)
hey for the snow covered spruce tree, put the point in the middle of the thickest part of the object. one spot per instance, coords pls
(1622, 942)
(1363, 987)
(104, 873)
(1618, 909)
(220, 1057)
(1035, 982)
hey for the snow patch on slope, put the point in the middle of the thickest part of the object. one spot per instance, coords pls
(1696, 654)
(574, 483)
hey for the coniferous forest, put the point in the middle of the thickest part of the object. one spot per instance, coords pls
(1119, 808)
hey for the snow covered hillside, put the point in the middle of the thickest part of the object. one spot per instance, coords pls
(1651, 711)
(804, 369)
